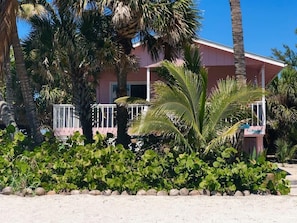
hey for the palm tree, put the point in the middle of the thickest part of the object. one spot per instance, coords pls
(9, 37)
(70, 49)
(182, 111)
(161, 25)
(288, 55)
(238, 46)
(281, 108)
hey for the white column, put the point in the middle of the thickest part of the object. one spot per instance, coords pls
(263, 97)
(148, 84)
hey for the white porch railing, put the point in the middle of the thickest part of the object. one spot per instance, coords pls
(257, 125)
(258, 112)
(66, 122)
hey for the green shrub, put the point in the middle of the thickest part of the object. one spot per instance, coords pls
(65, 166)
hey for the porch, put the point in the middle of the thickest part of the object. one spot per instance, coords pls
(66, 122)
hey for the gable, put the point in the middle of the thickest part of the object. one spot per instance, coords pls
(219, 58)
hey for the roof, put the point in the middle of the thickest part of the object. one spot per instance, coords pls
(219, 59)
(247, 54)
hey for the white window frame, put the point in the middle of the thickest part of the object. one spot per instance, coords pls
(112, 93)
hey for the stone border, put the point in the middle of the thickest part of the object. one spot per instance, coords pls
(28, 192)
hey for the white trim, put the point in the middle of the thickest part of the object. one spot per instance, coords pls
(248, 55)
(230, 50)
(263, 97)
(148, 84)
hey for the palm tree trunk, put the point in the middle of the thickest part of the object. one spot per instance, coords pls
(122, 116)
(238, 46)
(10, 95)
(82, 101)
(26, 88)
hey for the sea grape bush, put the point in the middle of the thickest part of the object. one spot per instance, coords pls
(72, 165)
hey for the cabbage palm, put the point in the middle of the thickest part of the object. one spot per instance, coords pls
(9, 37)
(163, 26)
(183, 112)
(68, 50)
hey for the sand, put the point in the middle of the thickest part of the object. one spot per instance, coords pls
(152, 209)
(147, 209)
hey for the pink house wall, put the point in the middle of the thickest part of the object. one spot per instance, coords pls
(218, 60)
(103, 91)
(211, 56)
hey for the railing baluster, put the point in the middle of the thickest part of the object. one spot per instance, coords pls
(103, 116)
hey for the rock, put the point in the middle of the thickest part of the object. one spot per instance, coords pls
(215, 193)
(141, 192)
(162, 193)
(125, 193)
(152, 192)
(28, 192)
(115, 192)
(204, 192)
(95, 192)
(107, 192)
(174, 192)
(65, 192)
(85, 191)
(51, 192)
(20, 194)
(184, 192)
(212, 193)
(39, 191)
(278, 193)
(194, 193)
(75, 192)
(230, 193)
(238, 193)
(246, 193)
(7, 191)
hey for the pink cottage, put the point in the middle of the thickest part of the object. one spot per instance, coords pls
(218, 60)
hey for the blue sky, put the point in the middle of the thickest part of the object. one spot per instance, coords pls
(267, 24)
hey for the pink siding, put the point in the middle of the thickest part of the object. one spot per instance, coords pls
(146, 60)
(211, 57)
(216, 58)
(107, 78)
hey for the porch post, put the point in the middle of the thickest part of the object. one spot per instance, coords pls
(148, 84)
(263, 97)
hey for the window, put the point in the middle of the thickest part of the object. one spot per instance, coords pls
(133, 89)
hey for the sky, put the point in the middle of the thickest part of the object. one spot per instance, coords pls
(267, 24)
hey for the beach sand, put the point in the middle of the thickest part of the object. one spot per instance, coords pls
(152, 209)
(147, 209)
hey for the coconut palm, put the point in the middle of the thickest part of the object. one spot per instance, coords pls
(181, 109)
(238, 46)
(163, 26)
(9, 37)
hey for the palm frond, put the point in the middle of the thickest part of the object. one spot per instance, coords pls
(160, 124)
(227, 99)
